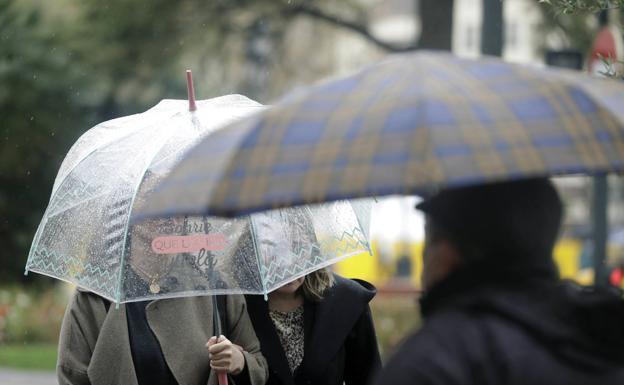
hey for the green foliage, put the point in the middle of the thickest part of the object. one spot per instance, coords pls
(575, 6)
(395, 318)
(66, 65)
(613, 69)
(31, 315)
(30, 357)
(42, 111)
(63, 72)
(572, 30)
(575, 23)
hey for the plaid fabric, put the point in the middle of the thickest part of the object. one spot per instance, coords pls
(412, 123)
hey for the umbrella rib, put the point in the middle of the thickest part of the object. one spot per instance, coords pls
(370, 250)
(98, 148)
(46, 216)
(257, 252)
(134, 195)
(35, 241)
(168, 157)
(76, 204)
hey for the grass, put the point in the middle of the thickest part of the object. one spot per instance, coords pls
(30, 357)
(395, 318)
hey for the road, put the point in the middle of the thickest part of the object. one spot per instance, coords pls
(18, 377)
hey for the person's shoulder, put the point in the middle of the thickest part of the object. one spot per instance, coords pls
(445, 335)
(458, 326)
(87, 307)
(235, 301)
(438, 352)
(419, 359)
(352, 287)
(84, 297)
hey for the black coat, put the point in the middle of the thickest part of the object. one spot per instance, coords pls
(340, 344)
(533, 331)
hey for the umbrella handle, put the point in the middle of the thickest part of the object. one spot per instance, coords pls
(223, 380)
(191, 90)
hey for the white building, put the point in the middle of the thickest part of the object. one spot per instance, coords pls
(521, 37)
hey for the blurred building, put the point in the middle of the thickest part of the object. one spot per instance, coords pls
(521, 29)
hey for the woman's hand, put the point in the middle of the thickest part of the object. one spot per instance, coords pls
(225, 356)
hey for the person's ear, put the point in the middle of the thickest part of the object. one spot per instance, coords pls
(450, 255)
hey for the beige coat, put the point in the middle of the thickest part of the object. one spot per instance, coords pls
(94, 346)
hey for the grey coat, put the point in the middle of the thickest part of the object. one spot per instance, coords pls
(94, 346)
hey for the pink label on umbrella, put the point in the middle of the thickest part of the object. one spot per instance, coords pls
(188, 243)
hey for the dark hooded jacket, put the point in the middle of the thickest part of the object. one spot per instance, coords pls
(486, 329)
(340, 345)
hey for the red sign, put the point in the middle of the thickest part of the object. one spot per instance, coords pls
(188, 243)
(607, 45)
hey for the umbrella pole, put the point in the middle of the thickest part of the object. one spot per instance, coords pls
(216, 316)
(216, 319)
(191, 90)
(600, 228)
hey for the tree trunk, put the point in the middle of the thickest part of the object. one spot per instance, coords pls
(437, 24)
(492, 28)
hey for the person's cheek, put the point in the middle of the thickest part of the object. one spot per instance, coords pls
(426, 272)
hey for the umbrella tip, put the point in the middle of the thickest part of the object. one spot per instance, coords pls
(191, 90)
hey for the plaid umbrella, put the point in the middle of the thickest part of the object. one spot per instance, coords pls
(412, 123)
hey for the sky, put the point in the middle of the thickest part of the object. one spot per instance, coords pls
(394, 218)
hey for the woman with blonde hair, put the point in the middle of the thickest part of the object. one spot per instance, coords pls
(318, 328)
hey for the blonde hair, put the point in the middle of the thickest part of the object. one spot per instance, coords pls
(315, 284)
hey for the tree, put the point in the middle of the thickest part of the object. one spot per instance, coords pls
(570, 30)
(492, 28)
(574, 26)
(437, 24)
(41, 107)
(592, 6)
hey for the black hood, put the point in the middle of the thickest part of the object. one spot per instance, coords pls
(582, 325)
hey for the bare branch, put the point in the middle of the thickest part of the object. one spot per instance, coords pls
(360, 29)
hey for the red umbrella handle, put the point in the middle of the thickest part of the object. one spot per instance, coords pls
(222, 378)
(191, 90)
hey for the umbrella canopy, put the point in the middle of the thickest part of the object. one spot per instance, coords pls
(87, 237)
(413, 123)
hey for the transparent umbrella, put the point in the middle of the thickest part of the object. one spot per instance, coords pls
(87, 235)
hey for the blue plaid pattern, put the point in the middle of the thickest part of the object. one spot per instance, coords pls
(412, 123)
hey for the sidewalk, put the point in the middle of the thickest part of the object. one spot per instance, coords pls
(18, 377)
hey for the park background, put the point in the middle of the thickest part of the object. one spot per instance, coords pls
(66, 65)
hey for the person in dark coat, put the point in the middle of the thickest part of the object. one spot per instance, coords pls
(317, 330)
(495, 310)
